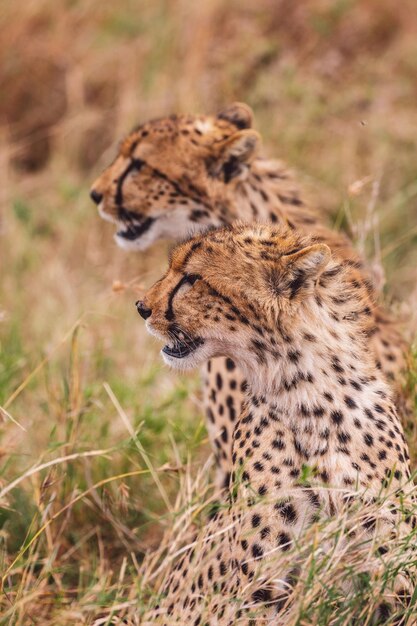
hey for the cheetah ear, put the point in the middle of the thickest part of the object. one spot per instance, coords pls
(308, 262)
(234, 155)
(238, 113)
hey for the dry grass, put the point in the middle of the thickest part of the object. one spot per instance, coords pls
(97, 438)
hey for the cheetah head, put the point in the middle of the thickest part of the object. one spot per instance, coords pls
(226, 291)
(170, 175)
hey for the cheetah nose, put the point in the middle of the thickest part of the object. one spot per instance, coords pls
(143, 310)
(96, 196)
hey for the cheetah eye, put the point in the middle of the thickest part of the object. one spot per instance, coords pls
(137, 164)
(190, 279)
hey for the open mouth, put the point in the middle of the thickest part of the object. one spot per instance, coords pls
(133, 230)
(181, 348)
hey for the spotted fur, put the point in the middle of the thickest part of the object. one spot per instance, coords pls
(297, 320)
(186, 173)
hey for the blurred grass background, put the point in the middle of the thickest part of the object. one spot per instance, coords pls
(333, 84)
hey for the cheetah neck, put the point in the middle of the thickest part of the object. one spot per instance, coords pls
(318, 389)
(314, 359)
(268, 194)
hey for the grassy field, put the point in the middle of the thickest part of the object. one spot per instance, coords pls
(97, 437)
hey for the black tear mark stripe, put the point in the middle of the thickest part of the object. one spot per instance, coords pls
(169, 313)
(135, 164)
(134, 229)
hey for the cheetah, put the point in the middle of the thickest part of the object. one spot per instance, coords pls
(296, 319)
(186, 173)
